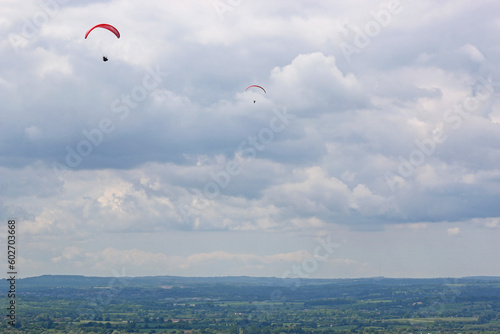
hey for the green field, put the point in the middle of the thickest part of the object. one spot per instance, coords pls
(247, 307)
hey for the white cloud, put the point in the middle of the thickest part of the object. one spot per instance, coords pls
(313, 83)
(336, 163)
(452, 231)
(50, 63)
(33, 132)
(472, 52)
(489, 222)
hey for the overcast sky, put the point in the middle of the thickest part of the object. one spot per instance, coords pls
(374, 152)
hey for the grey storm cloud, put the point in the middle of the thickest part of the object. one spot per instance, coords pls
(163, 140)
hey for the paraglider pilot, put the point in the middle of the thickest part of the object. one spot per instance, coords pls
(107, 27)
(257, 87)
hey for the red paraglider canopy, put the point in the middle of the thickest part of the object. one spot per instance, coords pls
(105, 26)
(257, 87)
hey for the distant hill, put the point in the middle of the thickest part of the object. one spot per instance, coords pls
(80, 281)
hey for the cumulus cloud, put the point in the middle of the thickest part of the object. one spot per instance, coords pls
(400, 140)
(472, 52)
(312, 83)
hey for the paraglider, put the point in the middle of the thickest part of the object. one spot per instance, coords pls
(104, 26)
(107, 27)
(256, 87)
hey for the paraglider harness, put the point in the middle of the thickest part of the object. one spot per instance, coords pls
(104, 58)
